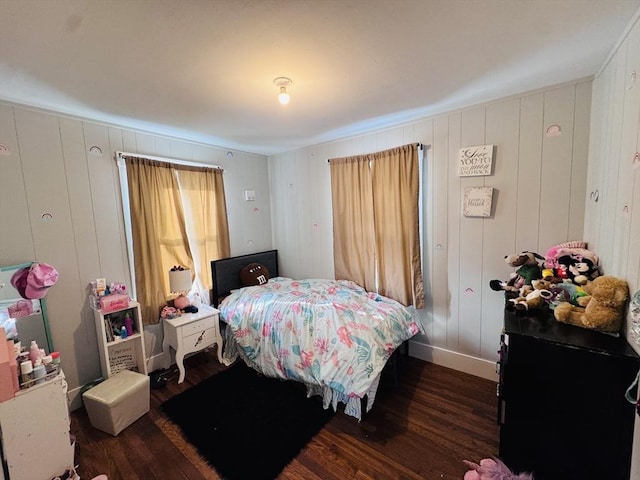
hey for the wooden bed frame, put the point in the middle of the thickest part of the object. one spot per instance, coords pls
(225, 273)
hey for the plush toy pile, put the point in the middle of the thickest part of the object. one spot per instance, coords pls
(573, 261)
(568, 281)
(536, 296)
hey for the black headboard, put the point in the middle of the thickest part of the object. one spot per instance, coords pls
(225, 273)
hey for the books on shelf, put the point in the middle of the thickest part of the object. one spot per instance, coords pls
(108, 329)
(114, 323)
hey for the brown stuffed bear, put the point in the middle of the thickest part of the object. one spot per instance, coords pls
(602, 309)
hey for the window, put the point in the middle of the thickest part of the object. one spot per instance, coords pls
(376, 231)
(177, 216)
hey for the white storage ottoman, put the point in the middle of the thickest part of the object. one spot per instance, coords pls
(117, 402)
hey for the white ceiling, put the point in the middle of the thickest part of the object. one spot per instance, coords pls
(204, 69)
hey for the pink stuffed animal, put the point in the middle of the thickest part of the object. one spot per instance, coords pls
(492, 469)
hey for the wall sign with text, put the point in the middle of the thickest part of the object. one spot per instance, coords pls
(475, 161)
(477, 201)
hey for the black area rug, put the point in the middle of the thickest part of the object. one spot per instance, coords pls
(247, 426)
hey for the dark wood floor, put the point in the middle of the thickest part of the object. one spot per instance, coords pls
(422, 429)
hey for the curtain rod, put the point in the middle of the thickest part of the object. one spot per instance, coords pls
(121, 155)
(419, 145)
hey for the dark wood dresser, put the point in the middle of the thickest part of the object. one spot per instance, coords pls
(561, 399)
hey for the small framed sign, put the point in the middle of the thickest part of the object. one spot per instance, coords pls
(475, 161)
(477, 201)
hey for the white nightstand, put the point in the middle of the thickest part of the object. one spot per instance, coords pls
(190, 333)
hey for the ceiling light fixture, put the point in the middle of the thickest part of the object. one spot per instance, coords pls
(283, 83)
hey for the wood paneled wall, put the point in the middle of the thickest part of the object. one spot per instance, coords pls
(540, 184)
(612, 220)
(50, 169)
(612, 213)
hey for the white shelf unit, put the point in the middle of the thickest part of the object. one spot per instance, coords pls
(121, 353)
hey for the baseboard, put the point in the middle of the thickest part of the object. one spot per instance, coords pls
(457, 361)
(156, 362)
(75, 400)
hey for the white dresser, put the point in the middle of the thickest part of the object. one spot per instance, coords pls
(35, 429)
(190, 333)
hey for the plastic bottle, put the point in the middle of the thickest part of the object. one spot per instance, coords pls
(123, 332)
(47, 361)
(128, 323)
(26, 373)
(55, 357)
(34, 352)
(634, 318)
(39, 372)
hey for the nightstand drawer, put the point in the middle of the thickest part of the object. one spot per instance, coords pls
(199, 340)
(197, 327)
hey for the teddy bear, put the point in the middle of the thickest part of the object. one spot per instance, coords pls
(492, 469)
(533, 297)
(528, 269)
(602, 309)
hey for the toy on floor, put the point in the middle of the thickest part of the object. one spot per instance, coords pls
(492, 469)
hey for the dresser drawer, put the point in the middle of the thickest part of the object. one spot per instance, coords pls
(197, 327)
(200, 340)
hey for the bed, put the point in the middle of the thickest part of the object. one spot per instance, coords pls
(330, 335)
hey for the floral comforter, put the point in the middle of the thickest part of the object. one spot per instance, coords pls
(331, 335)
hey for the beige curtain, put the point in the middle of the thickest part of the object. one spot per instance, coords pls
(353, 222)
(160, 238)
(202, 191)
(376, 222)
(396, 188)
